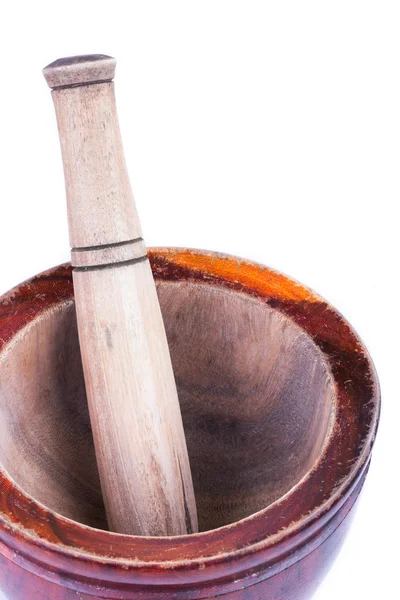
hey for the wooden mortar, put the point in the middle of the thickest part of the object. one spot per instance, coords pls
(280, 404)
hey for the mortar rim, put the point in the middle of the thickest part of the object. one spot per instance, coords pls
(222, 269)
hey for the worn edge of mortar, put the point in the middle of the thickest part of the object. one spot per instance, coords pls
(340, 493)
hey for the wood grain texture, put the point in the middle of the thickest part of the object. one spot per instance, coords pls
(229, 400)
(296, 578)
(140, 444)
(100, 203)
(133, 404)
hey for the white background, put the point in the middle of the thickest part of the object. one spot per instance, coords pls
(269, 130)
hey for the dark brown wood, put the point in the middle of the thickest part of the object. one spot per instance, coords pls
(280, 404)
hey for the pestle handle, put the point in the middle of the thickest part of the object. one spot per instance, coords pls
(101, 209)
(133, 403)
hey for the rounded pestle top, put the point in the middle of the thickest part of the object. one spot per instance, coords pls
(101, 207)
(80, 70)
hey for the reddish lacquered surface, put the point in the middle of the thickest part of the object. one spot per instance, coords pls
(280, 552)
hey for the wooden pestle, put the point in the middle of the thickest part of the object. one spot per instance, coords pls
(134, 408)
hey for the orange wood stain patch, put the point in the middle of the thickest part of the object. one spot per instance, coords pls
(240, 271)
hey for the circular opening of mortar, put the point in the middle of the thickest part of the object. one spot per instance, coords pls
(256, 396)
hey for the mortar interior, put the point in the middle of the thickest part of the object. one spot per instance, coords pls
(255, 391)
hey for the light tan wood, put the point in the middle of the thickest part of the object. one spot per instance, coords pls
(256, 394)
(101, 208)
(106, 255)
(133, 403)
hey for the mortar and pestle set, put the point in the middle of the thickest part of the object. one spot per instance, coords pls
(111, 487)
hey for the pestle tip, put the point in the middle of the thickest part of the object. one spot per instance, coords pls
(80, 70)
